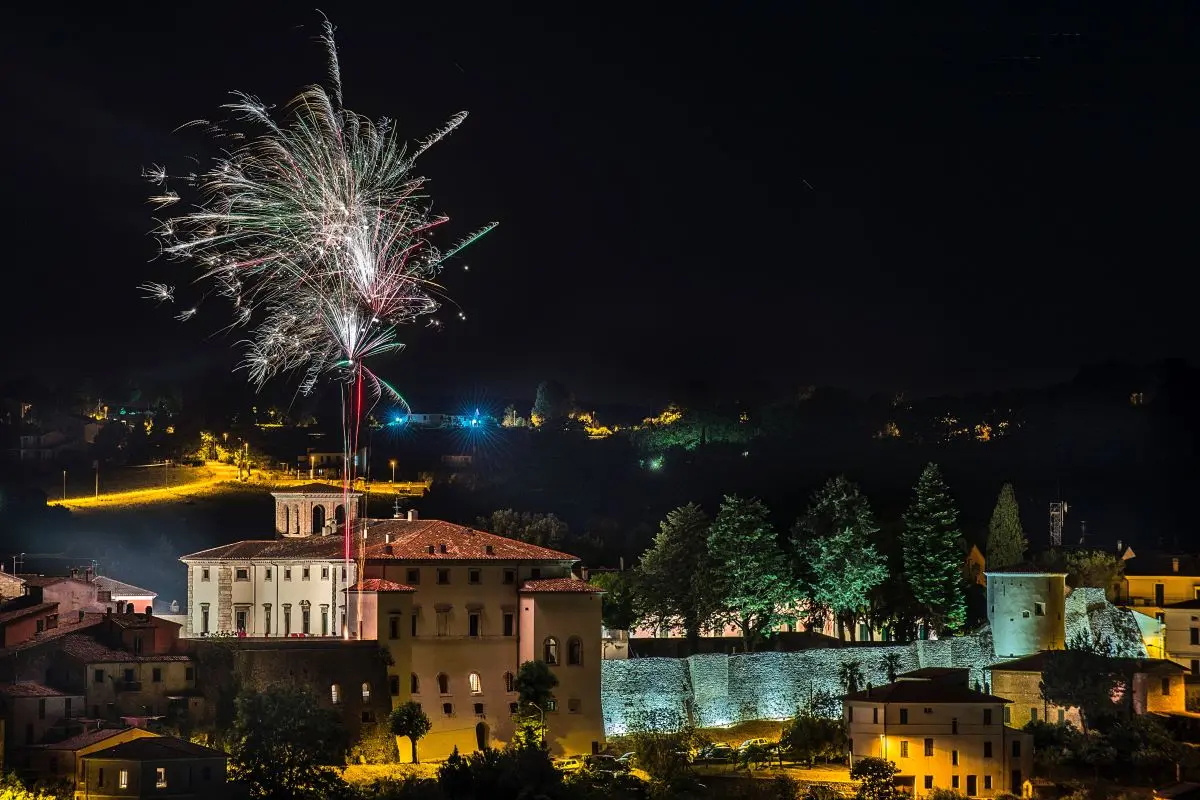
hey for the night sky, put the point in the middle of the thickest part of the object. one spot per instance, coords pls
(920, 203)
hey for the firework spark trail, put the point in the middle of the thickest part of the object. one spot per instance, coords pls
(318, 232)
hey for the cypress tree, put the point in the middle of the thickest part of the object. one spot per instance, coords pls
(933, 560)
(1006, 542)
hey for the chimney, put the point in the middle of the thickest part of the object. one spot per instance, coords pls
(430, 549)
(1119, 548)
(149, 611)
(1174, 565)
(108, 611)
(489, 549)
(442, 548)
(73, 573)
(387, 550)
(412, 515)
(387, 537)
(583, 573)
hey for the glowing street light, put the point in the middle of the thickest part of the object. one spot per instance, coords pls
(312, 466)
(393, 465)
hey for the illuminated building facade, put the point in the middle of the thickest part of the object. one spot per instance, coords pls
(458, 610)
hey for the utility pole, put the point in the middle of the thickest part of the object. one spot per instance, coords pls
(393, 464)
(64, 485)
(96, 465)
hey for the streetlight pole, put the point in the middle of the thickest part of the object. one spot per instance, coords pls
(96, 464)
(64, 485)
(542, 724)
(312, 466)
(393, 464)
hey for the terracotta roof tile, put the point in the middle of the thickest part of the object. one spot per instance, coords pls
(91, 651)
(561, 585)
(155, 748)
(85, 739)
(314, 488)
(410, 540)
(143, 621)
(923, 691)
(120, 588)
(66, 626)
(42, 580)
(380, 585)
(1037, 663)
(29, 690)
(26, 611)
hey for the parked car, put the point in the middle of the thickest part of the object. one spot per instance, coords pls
(716, 754)
(760, 742)
(569, 764)
(626, 760)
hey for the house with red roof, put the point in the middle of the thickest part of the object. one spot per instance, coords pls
(458, 609)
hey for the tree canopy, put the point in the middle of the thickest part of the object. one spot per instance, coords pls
(1006, 542)
(544, 530)
(617, 604)
(756, 590)
(552, 404)
(409, 720)
(933, 559)
(674, 579)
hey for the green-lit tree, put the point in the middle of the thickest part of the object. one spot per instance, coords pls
(410, 720)
(932, 556)
(616, 609)
(834, 544)
(544, 530)
(285, 745)
(754, 582)
(674, 581)
(1006, 542)
(850, 675)
(890, 663)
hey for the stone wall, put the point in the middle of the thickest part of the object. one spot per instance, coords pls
(715, 690)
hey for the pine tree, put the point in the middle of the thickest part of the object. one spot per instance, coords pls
(932, 556)
(834, 542)
(1006, 543)
(752, 575)
(673, 583)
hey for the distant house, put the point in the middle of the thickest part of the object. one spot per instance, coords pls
(10, 586)
(20, 624)
(126, 596)
(62, 761)
(32, 710)
(153, 766)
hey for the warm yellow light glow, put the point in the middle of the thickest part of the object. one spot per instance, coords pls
(890, 431)
(536, 420)
(668, 416)
(983, 432)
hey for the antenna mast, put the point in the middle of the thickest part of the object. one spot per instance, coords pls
(1057, 512)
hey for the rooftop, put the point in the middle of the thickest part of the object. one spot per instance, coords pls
(91, 651)
(26, 611)
(1023, 568)
(390, 540)
(120, 589)
(157, 748)
(574, 585)
(923, 691)
(1037, 663)
(42, 580)
(85, 739)
(29, 689)
(135, 620)
(380, 585)
(314, 488)
(1192, 605)
(934, 673)
(1184, 565)
(67, 625)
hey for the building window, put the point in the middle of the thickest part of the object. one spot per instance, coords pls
(413, 578)
(305, 619)
(267, 618)
(448, 709)
(366, 692)
(551, 705)
(443, 683)
(479, 709)
(240, 619)
(324, 573)
(97, 676)
(987, 781)
(414, 623)
(575, 651)
(475, 684)
(550, 651)
(874, 716)
(266, 573)
(204, 574)
(324, 620)
(849, 713)
(510, 576)
(1025, 614)
(100, 777)
(42, 708)
(1166, 687)
(954, 758)
(953, 781)
(1062, 716)
(241, 574)
(574, 705)
(1007, 715)
(954, 726)
(928, 748)
(394, 685)
(512, 708)
(189, 674)
(904, 716)
(393, 627)
(473, 624)
(928, 781)
(1195, 634)
(287, 619)
(137, 645)
(414, 684)
(305, 573)
(473, 576)
(160, 777)
(156, 675)
(987, 716)
(987, 749)
(904, 749)
(287, 573)
(509, 682)
(443, 577)
(443, 623)
(335, 694)
(204, 618)
(1039, 609)
(123, 779)
(509, 624)
(129, 675)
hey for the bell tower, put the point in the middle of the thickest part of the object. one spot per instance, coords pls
(314, 509)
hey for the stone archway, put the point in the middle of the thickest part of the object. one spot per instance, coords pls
(339, 515)
(318, 518)
(481, 736)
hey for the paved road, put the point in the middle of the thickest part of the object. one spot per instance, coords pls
(216, 474)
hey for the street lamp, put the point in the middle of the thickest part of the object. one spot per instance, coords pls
(542, 724)
(312, 465)
(393, 465)
(64, 485)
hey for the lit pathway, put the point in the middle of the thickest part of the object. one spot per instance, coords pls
(219, 473)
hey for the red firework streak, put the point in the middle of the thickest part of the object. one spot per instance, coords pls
(347, 479)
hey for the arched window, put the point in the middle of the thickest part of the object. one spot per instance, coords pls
(339, 515)
(296, 518)
(287, 519)
(509, 682)
(414, 685)
(366, 691)
(443, 683)
(575, 651)
(335, 693)
(550, 651)
(475, 684)
(318, 518)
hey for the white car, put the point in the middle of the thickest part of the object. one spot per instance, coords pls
(572, 764)
(760, 742)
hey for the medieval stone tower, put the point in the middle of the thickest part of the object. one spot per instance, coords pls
(1027, 610)
(315, 509)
